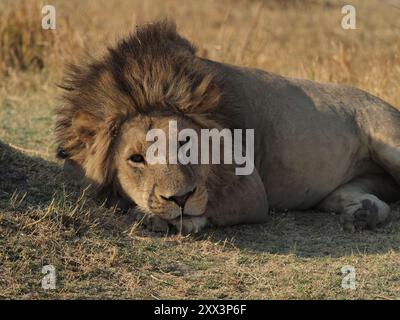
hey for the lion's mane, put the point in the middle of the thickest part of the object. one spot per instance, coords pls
(153, 70)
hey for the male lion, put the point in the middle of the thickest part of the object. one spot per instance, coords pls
(324, 146)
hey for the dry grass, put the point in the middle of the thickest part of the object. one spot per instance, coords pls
(24, 45)
(96, 251)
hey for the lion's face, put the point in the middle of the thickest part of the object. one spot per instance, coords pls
(159, 189)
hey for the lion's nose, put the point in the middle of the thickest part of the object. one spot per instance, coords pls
(180, 200)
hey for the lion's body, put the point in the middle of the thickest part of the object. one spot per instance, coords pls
(322, 145)
(311, 138)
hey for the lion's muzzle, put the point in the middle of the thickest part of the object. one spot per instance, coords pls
(180, 199)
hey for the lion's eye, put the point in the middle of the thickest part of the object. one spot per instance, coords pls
(137, 158)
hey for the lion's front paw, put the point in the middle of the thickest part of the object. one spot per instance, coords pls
(156, 224)
(151, 222)
(189, 225)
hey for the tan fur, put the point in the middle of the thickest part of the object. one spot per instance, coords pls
(315, 144)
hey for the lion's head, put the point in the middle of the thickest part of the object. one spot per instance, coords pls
(161, 189)
(149, 79)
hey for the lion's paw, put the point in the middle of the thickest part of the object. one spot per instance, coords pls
(151, 222)
(366, 214)
(189, 225)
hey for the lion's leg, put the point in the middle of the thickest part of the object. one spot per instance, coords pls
(361, 201)
(240, 201)
(380, 131)
(388, 157)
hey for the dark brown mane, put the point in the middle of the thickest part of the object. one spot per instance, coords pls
(152, 70)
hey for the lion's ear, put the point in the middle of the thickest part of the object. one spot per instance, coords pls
(84, 126)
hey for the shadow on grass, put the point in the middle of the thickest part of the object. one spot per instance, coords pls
(304, 234)
(312, 234)
(29, 180)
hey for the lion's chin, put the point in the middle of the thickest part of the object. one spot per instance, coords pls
(172, 211)
(177, 213)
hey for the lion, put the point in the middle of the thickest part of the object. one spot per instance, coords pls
(316, 145)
